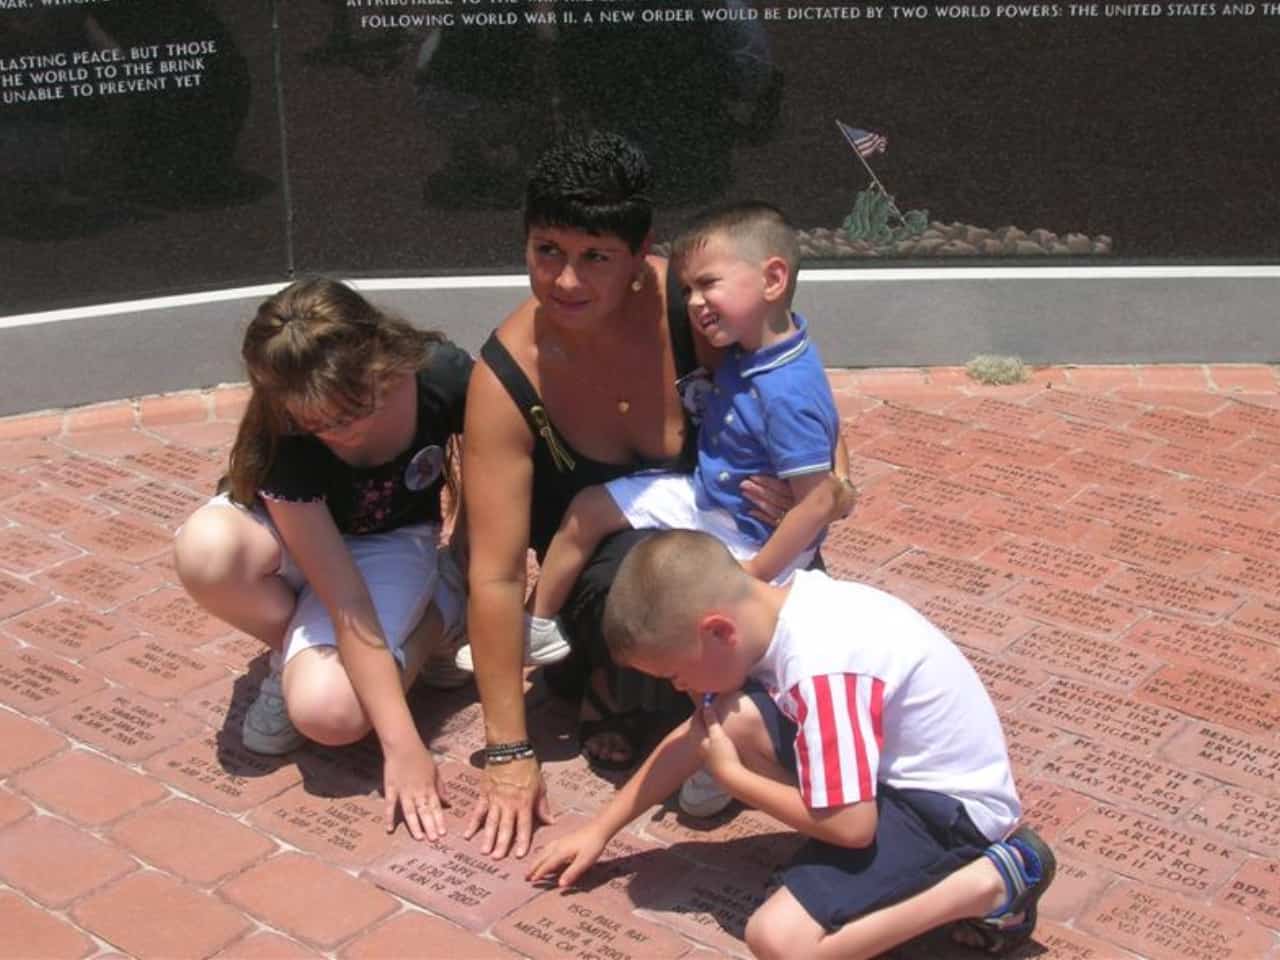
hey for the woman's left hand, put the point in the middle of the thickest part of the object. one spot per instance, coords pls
(770, 497)
(411, 783)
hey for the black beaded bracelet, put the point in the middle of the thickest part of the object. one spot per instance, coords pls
(512, 752)
(505, 747)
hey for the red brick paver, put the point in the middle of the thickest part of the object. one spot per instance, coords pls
(1101, 541)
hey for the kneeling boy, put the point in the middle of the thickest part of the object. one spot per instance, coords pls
(861, 725)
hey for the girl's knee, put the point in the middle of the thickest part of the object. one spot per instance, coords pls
(215, 546)
(740, 718)
(323, 706)
(781, 927)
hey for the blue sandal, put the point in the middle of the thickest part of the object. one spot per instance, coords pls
(1027, 865)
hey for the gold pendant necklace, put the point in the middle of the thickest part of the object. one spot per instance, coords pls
(624, 406)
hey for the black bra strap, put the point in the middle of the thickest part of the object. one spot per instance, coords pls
(517, 384)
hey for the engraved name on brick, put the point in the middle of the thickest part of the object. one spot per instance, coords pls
(1084, 657)
(1146, 921)
(1245, 817)
(1093, 712)
(1247, 761)
(1130, 779)
(1211, 696)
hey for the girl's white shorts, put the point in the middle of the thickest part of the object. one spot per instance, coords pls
(400, 570)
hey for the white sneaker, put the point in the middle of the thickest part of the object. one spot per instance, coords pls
(702, 796)
(544, 643)
(267, 727)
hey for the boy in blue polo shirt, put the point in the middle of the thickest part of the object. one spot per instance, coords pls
(767, 411)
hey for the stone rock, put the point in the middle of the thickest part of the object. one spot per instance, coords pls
(1025, 248)
(975, 235)
(991, 247)
(1043, 237)
(904, 248)
(1011, 234)
(957, 248)
(1079, 243)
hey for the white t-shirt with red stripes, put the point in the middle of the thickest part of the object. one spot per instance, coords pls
(881, 695)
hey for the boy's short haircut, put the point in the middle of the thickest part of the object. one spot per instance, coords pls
(756, 229)
(662, 587)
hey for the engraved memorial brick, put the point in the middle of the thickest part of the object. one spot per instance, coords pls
(1171, 927)
(123, 537)
(217, 769)
(1229, 467)
(68, 629)
(1022, 480)
(156, 668)
(934, 571)
(234, 650)
(937, 532)
(1250, 707)
(1074, 887)
(1172, 857)
(1032, 519)
(48, 511)
(1133, 780)
(1071, 607)
(1261, 617)
(922, 490)
(1223, 501)
(574, 785)
(1125, 506)
(1080, 656)
(1149, 548)
(1243, 817)
(1257, 537)
(1097, 713)
(17, 595)
(99, 584)
(171, 614)
(1188, 429)
(1256, 891)
(1248, 761)
(36, 682)
(981, 626)
(189, 468)
(1087, 406)
(10, 487)
(1049, 807)
(575, 925)
(892, 418)
(909, 450)
(344, 829)
(153, 500)
(1091, 467)
(1248, 574)
(850, 547)
(1068, 943)
(1079, 434)
(711, 906)
(81, 476)
(1050, 562)
(123, 723)
(1013, 418)
(25, 551)
(1160, 591)
(1007, 683)
(1031, 744)
(1249, 417)
(997, 447)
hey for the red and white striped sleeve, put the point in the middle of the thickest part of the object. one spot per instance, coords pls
(840, 720)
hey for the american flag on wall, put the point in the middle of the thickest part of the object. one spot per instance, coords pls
(865, 143)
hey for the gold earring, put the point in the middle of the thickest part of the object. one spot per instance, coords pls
(637, 284)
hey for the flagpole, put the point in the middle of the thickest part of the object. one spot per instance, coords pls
(871, 173)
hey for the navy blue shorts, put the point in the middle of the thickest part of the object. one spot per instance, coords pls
(921, 837)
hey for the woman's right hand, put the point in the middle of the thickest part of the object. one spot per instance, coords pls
(512, 795)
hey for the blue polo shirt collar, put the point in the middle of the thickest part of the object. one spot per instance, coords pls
(777, 354)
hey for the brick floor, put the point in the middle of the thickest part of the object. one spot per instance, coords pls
(1101, 542)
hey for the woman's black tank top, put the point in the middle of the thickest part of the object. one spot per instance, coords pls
(559, 471)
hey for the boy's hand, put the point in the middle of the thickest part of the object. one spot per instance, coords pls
(570, 856)
(718, 753)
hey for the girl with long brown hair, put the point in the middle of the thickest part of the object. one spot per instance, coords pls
(324, 545)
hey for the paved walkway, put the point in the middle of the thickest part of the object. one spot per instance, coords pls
(1102, 541)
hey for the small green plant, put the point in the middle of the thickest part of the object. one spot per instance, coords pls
(870, 220)
(996, 370)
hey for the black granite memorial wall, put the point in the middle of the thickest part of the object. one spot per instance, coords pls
(162, 146)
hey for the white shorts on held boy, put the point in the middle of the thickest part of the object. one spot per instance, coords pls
(669, 501)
